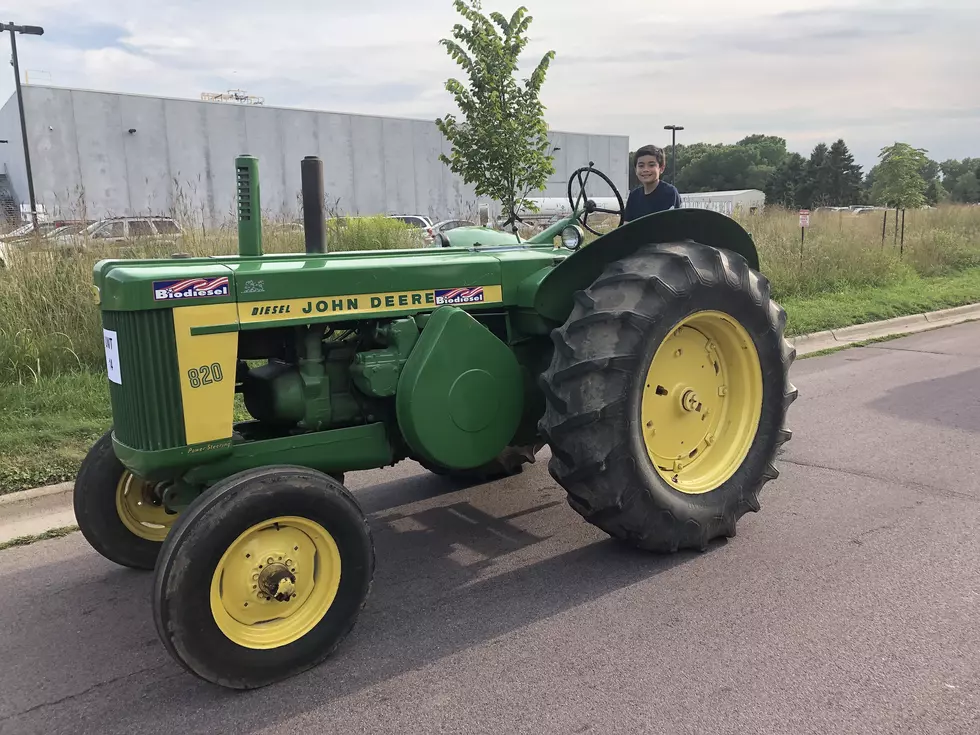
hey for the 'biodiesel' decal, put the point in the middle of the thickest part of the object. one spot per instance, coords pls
(188, 289)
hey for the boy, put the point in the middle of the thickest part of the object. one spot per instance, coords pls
(653, 195)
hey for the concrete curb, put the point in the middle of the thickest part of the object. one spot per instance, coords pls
(31, 512)
(35, 511)
(835, 338)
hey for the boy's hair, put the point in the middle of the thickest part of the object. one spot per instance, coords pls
(651, 150)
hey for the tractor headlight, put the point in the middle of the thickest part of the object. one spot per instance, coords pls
(572, 237)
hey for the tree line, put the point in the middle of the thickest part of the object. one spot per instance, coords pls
(904, 176)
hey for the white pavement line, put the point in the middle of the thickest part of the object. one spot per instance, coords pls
(31, 512)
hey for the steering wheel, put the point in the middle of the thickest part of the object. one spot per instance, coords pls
(590, 205)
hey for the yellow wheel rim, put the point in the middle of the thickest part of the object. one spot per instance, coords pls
(140, 509)
(701, 402)
(275, 582)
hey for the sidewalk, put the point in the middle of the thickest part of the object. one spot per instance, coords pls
(31, 512)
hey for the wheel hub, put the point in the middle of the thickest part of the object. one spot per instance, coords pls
(689, 401)
(701, 402)
(141, 509)
(277, 582)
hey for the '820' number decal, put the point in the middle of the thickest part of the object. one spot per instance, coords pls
(205, 375)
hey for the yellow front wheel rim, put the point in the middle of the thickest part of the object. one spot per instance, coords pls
(275, 582)
(141, 510)
(702, 402)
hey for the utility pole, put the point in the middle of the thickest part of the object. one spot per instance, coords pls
(30, 31)
(673, 149)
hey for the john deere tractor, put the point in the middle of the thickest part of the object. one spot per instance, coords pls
(651, 361)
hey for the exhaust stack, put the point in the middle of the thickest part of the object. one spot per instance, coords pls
(314, 225)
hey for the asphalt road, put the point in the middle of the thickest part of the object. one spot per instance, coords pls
(848, 605)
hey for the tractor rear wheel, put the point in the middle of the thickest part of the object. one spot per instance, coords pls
(667, 395)
(120, 515)
(263, 576)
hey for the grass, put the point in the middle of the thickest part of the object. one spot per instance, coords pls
(914, 295)
(48, 427)
(53, 389)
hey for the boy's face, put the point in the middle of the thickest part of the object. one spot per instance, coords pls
(648, 170)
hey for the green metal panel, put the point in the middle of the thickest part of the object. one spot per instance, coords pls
(274, 280)
(553, 296)
(335, 450)
(482, 237)
(146, 408)
(168, 464)
(474, 237)
(133, 285)
(461, 394)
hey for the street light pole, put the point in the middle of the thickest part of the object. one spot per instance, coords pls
(673, 149)
(31, 31)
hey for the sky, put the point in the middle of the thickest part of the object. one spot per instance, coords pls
(869, 71)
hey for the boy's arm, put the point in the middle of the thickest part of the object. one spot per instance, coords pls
(677, 198)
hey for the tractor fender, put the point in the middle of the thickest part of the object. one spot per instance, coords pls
(554, 294)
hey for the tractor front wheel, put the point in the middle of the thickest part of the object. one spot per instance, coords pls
(263, 576)
(667, 394)
(120, 515)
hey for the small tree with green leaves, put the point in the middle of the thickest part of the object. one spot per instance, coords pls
(898, 182)
(501, 144)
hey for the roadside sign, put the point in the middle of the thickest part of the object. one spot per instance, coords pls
(804, 218)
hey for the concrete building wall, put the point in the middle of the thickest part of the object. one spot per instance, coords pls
(180, 157)
(12, 152)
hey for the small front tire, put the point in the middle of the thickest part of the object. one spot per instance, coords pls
(120, 515)
(263, 576)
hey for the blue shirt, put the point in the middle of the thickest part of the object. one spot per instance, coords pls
(639, 204)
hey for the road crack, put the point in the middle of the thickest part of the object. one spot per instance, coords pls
(942, 491)
(77, 695)
(911, 349)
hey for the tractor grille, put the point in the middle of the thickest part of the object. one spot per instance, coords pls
(146, 409)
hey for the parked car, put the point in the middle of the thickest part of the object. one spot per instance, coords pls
(120, 229)
(420, 221)
(450, 224)
(45, 237)
(44, 229)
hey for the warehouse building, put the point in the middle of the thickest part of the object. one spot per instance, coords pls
(747, 201)
(103, 154)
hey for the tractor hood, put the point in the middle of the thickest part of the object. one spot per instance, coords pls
(300, 288)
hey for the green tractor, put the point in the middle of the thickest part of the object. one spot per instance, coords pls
(651, 361)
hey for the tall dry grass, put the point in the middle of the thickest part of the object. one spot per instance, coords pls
(843, 250)
(49, 323)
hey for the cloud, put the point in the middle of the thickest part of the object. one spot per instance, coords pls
(865, 70)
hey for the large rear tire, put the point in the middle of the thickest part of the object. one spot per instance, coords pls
(263, 576)
(667, 395)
